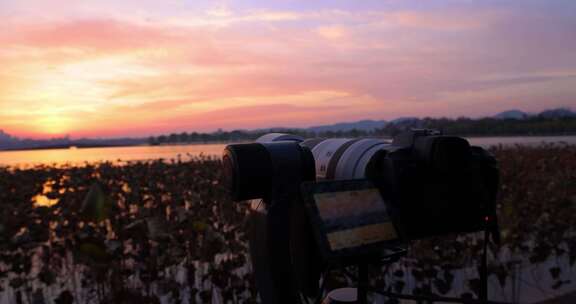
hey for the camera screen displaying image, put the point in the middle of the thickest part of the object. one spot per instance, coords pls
(349, 215)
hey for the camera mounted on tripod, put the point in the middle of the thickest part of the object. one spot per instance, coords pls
(323, 203)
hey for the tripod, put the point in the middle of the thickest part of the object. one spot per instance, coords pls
(363, 281)
(363, 287)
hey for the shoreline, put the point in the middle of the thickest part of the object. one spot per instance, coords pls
(64, 147)
(92, 146)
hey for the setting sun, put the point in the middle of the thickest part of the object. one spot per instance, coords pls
(53, 125)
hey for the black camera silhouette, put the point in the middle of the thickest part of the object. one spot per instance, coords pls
(322, 203)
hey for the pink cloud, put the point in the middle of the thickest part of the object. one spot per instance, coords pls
(450, 20)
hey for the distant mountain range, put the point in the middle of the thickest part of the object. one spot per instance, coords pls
(512, 114)
(5, 136)
(364, 125)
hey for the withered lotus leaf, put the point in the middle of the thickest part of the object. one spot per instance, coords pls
(97, 206)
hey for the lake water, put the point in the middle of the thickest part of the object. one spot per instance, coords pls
(80, 156)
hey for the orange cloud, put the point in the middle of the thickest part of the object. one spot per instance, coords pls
(332, 32)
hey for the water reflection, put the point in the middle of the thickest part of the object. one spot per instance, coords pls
(123, 155)
(42, 200)
(58, 157)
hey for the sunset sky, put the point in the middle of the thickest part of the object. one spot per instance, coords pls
(110, 68)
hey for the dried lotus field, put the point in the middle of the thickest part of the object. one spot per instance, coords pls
(165, 232)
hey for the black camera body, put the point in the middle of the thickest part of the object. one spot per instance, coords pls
(436, 185)
(337, 201)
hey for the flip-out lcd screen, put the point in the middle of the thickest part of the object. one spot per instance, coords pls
(354, 218)
(349, 215)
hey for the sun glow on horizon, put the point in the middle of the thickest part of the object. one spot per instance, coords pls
(53, 125)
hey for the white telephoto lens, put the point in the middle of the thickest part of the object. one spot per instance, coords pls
(323, 153)
(360, 152)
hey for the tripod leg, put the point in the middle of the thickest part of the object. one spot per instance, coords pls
(363, 283)
(484, 269)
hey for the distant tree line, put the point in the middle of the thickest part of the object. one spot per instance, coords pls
(219, 136)
(536, 125)
(8, 142)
